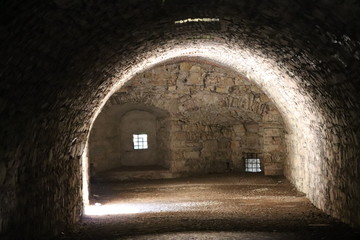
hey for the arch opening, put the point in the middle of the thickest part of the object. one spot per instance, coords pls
(127, 137)
(61, 59)
(295, 107)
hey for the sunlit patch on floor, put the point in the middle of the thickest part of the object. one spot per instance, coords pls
(111, 209)
(132, 208)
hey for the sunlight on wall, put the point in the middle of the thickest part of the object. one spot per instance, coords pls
(85, 176)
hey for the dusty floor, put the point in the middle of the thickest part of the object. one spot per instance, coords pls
(210, 207)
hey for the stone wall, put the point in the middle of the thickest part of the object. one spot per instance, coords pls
(111, 138)
(215, 116)
(199, 148)
(62, 59)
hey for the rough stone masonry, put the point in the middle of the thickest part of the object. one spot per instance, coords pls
(213, 118)
(61, 59)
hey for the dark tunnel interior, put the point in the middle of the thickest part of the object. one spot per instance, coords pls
(214, 80)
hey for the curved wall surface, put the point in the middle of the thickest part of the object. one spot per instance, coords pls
(62, 60)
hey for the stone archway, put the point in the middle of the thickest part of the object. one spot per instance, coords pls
(296, 108)
(112, 149)
(63, 59)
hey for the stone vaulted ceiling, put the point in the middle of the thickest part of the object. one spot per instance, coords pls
(61, 60)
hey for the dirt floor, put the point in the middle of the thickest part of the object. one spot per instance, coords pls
(209, 207)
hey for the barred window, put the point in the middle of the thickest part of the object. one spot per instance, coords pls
(252, 162)
(140, 141)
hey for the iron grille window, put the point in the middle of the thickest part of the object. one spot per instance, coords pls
(252, 162)
(140, 141)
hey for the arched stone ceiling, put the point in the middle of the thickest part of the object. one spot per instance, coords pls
(195, 91)
(62, 59)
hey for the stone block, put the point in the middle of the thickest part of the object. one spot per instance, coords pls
(273, 170)
(190, 128)
(192, 155)
(210, 88)
(226, 81)
(178, 144)
(221, 89)
(195, 68)
(181, 78)
(272, 132)
(272, 148)
(185, 66)
(178, 165)
(172, 88)
(211, 81)
(206, 153)
(239, 129)
(195, 78)
(224, 144)
(194, 145)
(179, 136)
(252, 128)
(252, 139)
(235, 145)
(210, 145)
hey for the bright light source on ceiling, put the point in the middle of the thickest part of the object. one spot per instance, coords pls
(197, 20)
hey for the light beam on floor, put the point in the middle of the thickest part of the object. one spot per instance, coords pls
(132, 208)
